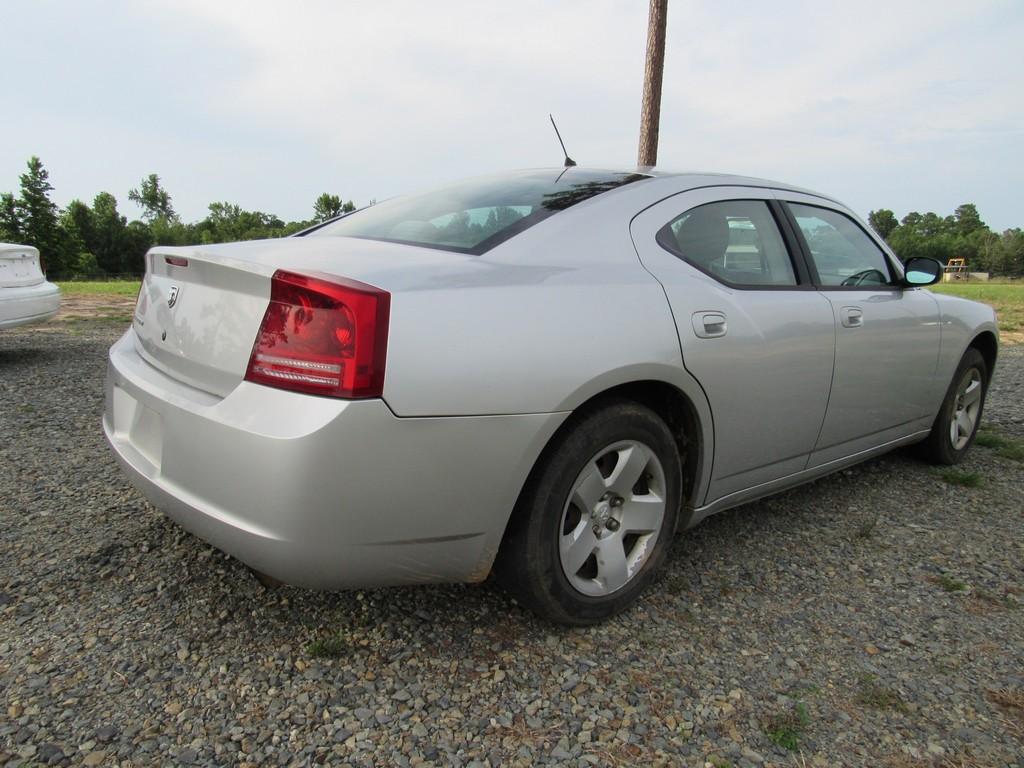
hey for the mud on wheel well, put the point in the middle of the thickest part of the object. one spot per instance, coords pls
(986, 344)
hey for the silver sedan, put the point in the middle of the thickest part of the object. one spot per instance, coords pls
(544, 374)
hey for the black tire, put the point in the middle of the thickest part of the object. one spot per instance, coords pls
(938, 447)
(529, 565)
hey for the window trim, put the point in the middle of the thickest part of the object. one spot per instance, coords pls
(805, 248)
(492, 241)
(541, 213)
(800, 272)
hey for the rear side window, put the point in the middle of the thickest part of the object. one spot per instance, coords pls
(735, 241)
(842, 252)
(476, 215)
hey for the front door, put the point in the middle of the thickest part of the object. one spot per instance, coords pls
(887, 337)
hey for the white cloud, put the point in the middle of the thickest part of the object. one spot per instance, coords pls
(410, 81)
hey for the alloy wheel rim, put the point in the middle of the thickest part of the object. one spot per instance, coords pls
(612, 518)
(966, 408)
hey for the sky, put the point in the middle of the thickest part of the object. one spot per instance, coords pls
(897, 104)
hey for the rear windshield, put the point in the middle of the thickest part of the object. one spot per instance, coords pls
(476, 215)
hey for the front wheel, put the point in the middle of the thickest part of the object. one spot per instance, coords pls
(957, 423)
(596, 519)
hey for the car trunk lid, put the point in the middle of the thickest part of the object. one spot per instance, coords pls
(19, 266)
(200, 308)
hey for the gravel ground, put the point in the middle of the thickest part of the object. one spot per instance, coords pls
(871, 618)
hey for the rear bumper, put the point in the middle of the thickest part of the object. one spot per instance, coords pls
(28, 304)
(320, 492)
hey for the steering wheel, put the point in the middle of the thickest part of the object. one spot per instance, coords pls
(859, 278)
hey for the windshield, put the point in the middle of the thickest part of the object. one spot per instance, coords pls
(476, 215)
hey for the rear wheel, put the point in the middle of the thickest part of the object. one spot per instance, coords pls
(597, 518)
(957, 423)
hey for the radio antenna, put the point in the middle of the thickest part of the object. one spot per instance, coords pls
(569, 162)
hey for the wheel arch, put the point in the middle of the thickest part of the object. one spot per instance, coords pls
(687, 417)
(986, 343)
(680, 415)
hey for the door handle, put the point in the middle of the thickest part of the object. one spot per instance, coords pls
(709, 325)
(851, 317)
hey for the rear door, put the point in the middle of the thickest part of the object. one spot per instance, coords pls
(887, 337)
(753, 330)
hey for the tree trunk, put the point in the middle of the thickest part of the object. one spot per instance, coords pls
(650, 111)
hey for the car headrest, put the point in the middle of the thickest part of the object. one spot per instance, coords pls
(704, 235)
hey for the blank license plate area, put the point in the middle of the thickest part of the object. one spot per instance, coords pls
(139, 425)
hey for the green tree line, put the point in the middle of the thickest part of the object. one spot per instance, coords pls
(962, 235)
(97, 239)
(93, 240)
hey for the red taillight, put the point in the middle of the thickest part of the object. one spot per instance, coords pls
(322, 335)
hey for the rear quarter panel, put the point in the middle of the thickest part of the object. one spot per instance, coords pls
(538, 324)
(541, 324)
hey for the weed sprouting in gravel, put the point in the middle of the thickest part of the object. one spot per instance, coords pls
(1012, 450)
(948, 583)
(1004, 446)
(961, 477)
(994, 599)
(331, 647)
(987, 438)
(866, 528)
(873, 694)
(786, 728)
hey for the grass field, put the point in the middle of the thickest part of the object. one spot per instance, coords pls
(100, 288)
(1007, 298)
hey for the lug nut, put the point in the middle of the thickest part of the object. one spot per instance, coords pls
(612, 524)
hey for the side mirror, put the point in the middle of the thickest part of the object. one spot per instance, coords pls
(920, 271)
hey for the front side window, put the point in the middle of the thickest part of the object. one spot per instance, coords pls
(476, 215)
(842, 252)
(734, 241)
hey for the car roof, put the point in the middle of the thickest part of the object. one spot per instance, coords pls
(681, 181)
(701, 178)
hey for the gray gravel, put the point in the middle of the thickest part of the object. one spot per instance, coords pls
(872, 618)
